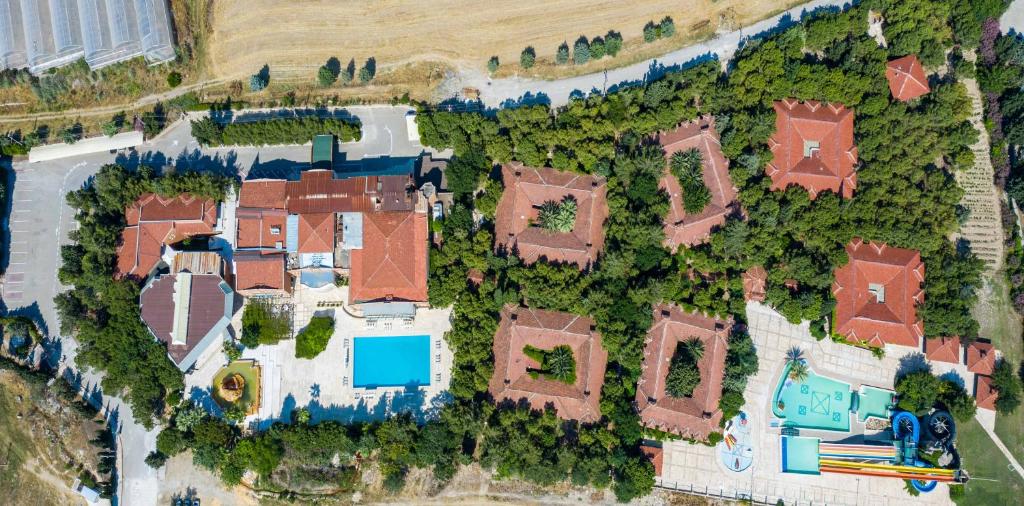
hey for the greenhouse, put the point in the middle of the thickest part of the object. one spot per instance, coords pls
(43, 34)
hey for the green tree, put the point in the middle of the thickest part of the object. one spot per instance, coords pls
(492, 64)
(688, 167)
(581, 51)
(612, 43)
(528, 57)
(650, 32)
(918, 391)
(173, 79)
(666, 28)
(597, 48)
(312, 340)
(1007, 384)
(368, 71)
(957, 401)
(263, 324)
(562, 54)
(558, 216)
(325, 77)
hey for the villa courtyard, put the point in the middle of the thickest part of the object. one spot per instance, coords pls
(326, 384)
(696, 468)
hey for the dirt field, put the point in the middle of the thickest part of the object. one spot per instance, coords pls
(296, 37)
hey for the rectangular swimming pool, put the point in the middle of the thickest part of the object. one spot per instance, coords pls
(800, 455)
(392, 361)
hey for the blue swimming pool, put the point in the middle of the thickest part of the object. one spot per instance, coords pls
(391, 361)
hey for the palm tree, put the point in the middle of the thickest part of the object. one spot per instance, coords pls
(798, 371)
(794, 355)
(695, 347)
(561, 364)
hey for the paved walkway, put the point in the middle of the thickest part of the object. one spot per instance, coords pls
(1013, 18)
(695, 468)
(495, 93)
(983, 227)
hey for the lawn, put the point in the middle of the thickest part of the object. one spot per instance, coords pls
(992, 481)
(250, 372)
(1000, 323)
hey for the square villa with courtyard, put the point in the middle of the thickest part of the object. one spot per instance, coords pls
(813, 147)
(697, 415)
(527, 190)
(518, 377)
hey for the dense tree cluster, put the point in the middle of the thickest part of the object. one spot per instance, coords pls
(312, 340)
(299, 130)
(264, 323)
(103, 313)
(921, 391)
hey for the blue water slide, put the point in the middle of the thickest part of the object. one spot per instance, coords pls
(897, 427)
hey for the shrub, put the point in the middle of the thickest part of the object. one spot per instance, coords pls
(348, 73)
(156, 460)
(557, 363)
(612, 43)
(368, 71)
(714, 438)
(527, 58)
(492, 64)
(581, 51)
(260, 80)
(597, 49)
(263, 324)
(313, 339)
(231, 352)
(562, 55)
(111, 128)
(325, 77)
(650, 32)
(667, 28)
(173, 79)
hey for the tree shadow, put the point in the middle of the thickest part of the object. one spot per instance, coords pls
(203, 397)
(526, 100)
(32, 312)
(195, 160)
(10, 177)
(910, 363)
(334, 65)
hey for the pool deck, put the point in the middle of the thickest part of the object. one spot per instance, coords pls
(695, 468)
(320, 383)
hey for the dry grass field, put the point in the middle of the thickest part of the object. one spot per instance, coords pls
(296, 37)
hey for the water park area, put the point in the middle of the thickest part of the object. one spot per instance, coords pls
(805, 399)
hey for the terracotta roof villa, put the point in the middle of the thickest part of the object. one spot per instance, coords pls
(392, 264)
(943, 349)
(187, 312)
(755, 280)
(907, 79)
(698, 415)
(261, 228)
(521, 327)
(981, 357)
(682, 228)
(261, 273)
(985, 394)
(877, 292)
(526, 189)
(154, 221)
(813, 147)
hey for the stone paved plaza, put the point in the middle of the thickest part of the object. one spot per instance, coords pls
(696, 468)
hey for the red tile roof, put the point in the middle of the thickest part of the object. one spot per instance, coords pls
(520, 327)
(316, 233)
(656, 455)
(261, 273)
(943, 349)
(755, 280)
(392, 265)
(152, 222)
(981, 357)
(206, 307)
(681, 228)
(318, 191)
(985, 394)
(813, 147)
(907, 79)
(877, 292)
(526, 189)
(698, 415)
(265, 193)
(261, 228)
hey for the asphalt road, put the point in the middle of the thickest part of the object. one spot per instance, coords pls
(40, 221)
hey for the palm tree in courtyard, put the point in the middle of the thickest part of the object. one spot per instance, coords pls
(798, 371)
(794, 355)
(695, 347)
(562, 365)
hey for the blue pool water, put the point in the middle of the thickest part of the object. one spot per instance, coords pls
(391, 361)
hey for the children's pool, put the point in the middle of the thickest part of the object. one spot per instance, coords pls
(391, 361)
(816, 402)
